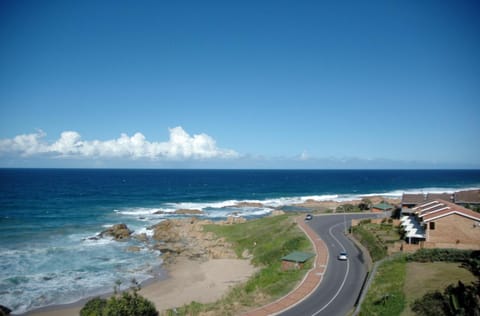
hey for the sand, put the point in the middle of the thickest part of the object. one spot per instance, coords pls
(188, 281)
(202, 282)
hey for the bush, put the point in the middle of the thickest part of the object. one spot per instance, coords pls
(126, 304)
(431, 304)
(94, 307)
(437, 254)
(375, 247)
(458, 300)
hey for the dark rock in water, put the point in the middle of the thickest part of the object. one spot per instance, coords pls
(48, 277)
(4, 310)
(182, 211)
(187, 211)
(119, 232)
(134, 249)
(248, 204)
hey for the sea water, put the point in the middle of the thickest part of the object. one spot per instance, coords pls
(50, 219)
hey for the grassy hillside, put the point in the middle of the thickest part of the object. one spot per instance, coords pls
(266, 240)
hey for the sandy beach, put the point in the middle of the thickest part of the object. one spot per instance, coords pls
(188, 281)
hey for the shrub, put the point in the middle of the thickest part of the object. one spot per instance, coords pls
(375, 247)
(458, 300)
(431, 304)
(438, 254)
(94, 307)
(126, 304)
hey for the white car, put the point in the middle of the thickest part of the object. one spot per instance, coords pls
(343, 256)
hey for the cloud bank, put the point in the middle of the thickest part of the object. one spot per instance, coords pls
(180, 146)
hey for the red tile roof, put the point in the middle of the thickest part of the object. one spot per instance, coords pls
(468, 197)
(439, 208)
(440, 196)
(409, 198)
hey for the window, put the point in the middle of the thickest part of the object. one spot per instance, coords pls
(432, 225)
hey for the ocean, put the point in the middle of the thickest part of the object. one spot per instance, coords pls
(49, 216)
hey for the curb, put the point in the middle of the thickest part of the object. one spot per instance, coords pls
(308, 285)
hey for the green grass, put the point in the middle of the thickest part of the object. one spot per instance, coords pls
(431, 276)
(385, 296)
(376, 237)
(367, 238)
(267, 239)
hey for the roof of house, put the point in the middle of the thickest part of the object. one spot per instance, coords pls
(440, 196)
(382, 206)
(436, 209)
(298, 256)
(410, 198)
(468, 197)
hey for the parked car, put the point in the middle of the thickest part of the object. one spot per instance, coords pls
(342, 256)
(308, 217)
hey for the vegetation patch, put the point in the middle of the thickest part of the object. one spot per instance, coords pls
(125, 304)
(425, 277)
(376, 237)
(440, 254)
(386, 296)
(267, 240)
(458, 298)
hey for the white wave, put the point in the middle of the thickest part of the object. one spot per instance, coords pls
(139, 211)
(97, 241)
(219, 209)
(60, 275)
(255, 212)
(144, 230)
(203, 205)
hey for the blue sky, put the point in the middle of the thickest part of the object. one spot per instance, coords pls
(252, 84)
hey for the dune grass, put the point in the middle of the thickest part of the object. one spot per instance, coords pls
(267, 240)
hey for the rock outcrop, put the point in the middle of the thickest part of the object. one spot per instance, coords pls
(248, 204)
(182, 211)
(119, 232)
(234, 220)
(5, 310)
(186, 237)
(188, 212)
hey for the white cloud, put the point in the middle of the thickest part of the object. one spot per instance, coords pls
(180, 146)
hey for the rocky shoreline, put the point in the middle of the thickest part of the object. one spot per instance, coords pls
(185, 237)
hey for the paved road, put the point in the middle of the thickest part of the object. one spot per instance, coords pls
(342, 280)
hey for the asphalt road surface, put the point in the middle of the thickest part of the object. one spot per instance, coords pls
(342, 280)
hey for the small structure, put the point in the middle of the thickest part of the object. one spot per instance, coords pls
(295, 260)
(382, 207)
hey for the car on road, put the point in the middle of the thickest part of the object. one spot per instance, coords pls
(308, 217)
(342, 256)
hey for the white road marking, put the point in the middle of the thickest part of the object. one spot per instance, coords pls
(346, 274)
